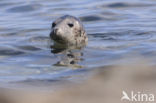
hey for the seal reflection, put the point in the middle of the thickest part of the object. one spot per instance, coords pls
(68, 57)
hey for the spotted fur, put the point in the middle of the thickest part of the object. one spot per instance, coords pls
(68, 30)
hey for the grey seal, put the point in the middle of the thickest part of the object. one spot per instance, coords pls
(68, 31)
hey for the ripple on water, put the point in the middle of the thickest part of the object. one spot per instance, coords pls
(91, 18)
(127, 5)
(39, 38)
(28, 47)
(10, 52)
(25, 8)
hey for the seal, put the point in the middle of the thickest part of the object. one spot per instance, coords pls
(68, 31)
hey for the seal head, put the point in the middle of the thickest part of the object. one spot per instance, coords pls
(68, 31)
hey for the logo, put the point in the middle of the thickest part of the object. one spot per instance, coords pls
(137, 96)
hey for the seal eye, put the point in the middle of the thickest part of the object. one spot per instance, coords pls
(53, 25)
(70, 25)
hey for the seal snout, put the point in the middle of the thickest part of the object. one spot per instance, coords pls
(55, 35)
(55, 31)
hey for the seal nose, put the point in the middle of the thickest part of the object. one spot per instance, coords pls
(56, 31)
(55, 34)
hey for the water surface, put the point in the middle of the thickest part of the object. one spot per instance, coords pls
(115, 28)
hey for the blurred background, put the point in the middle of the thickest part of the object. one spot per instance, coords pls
(116, 29)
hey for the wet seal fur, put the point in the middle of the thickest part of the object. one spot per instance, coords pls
(68, 31)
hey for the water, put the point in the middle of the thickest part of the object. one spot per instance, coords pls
(115, 28)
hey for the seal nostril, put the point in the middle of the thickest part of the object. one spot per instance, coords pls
(55, 31)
